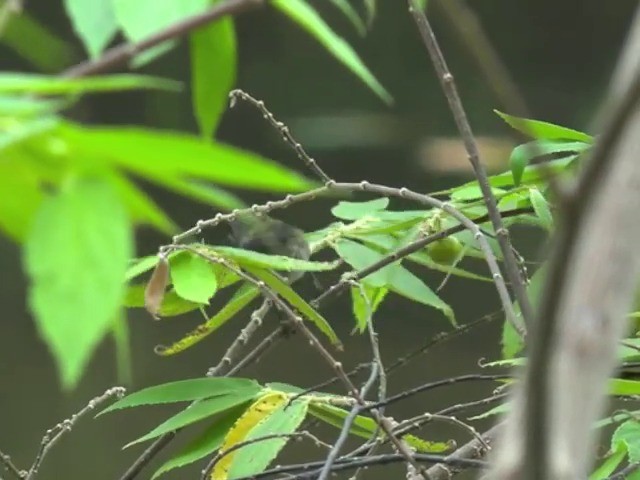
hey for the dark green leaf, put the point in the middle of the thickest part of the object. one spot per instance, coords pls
(544, 130)
(285, 291)
(76, 262)
(193, 278)
(198, 411)
(33, 83)
(256, 457)
(357, 210)
(204, 444)
(213, 72)
(186, 391)
(351, 14)
(94, 22)
(306, 17)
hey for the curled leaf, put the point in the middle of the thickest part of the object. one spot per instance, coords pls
(154, 293)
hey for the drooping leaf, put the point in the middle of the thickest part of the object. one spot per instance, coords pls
(76, 262)
(193, 278)
(352, 15)
(356, 210)
(94, 21)
(213, 72)
(256, 457)
(366, 427)
(544, 130)
(261, 409)
(157, 155)
(306, 17)
(522, 155)
(262, 260)
(285, 291)
(199, 410)
(238, 302)
(541, 207)
(33, 83)
(204, 444)
(395, 277)
(185, 391)
(363, 307)
(171, 305)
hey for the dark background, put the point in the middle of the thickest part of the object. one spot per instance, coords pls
(560, 54)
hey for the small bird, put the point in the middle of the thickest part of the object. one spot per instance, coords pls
(264, 234)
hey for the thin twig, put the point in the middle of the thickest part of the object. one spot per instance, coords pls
(283, 130)
(6, 461)
(53, 435)
(255, 354)
(447, 81)
(120, 55)
(346, 425)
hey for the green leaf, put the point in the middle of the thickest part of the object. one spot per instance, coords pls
(262, 260)
(122, 340)
(185, 391)
(544, 130)
(241, 298)
(541, 207)
(307, 18)
(256, 457)
(32, 83)
(405, 283)
(285, 291)
(352, 15)
(627, 436)
(20, 198)
(94, 21)
(497, 410)
(609, 465)
(619, 386)
(512, 344)
(27, 107)
(140, 206)
(204, 444)
(395, 277)
(213, 72)
(363, 307)
(193, 278)
(138, 266)
(142, 18)
(366, 427)
(44, 50)
(472, 192)
(522, 155)
(357, 210)
(76, 261)
(198, 411)
(157, 155)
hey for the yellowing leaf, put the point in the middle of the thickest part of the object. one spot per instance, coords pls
(255, 414)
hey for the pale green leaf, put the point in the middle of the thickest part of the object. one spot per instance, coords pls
(541, 208)
(94, 21)
(213, 72)
(193, 278)
(544, 130)
(352, 15)
(627, 435)
(356, 210)
(76, 262)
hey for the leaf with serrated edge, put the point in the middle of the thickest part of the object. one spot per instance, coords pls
(198, 411)
(184, 391)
